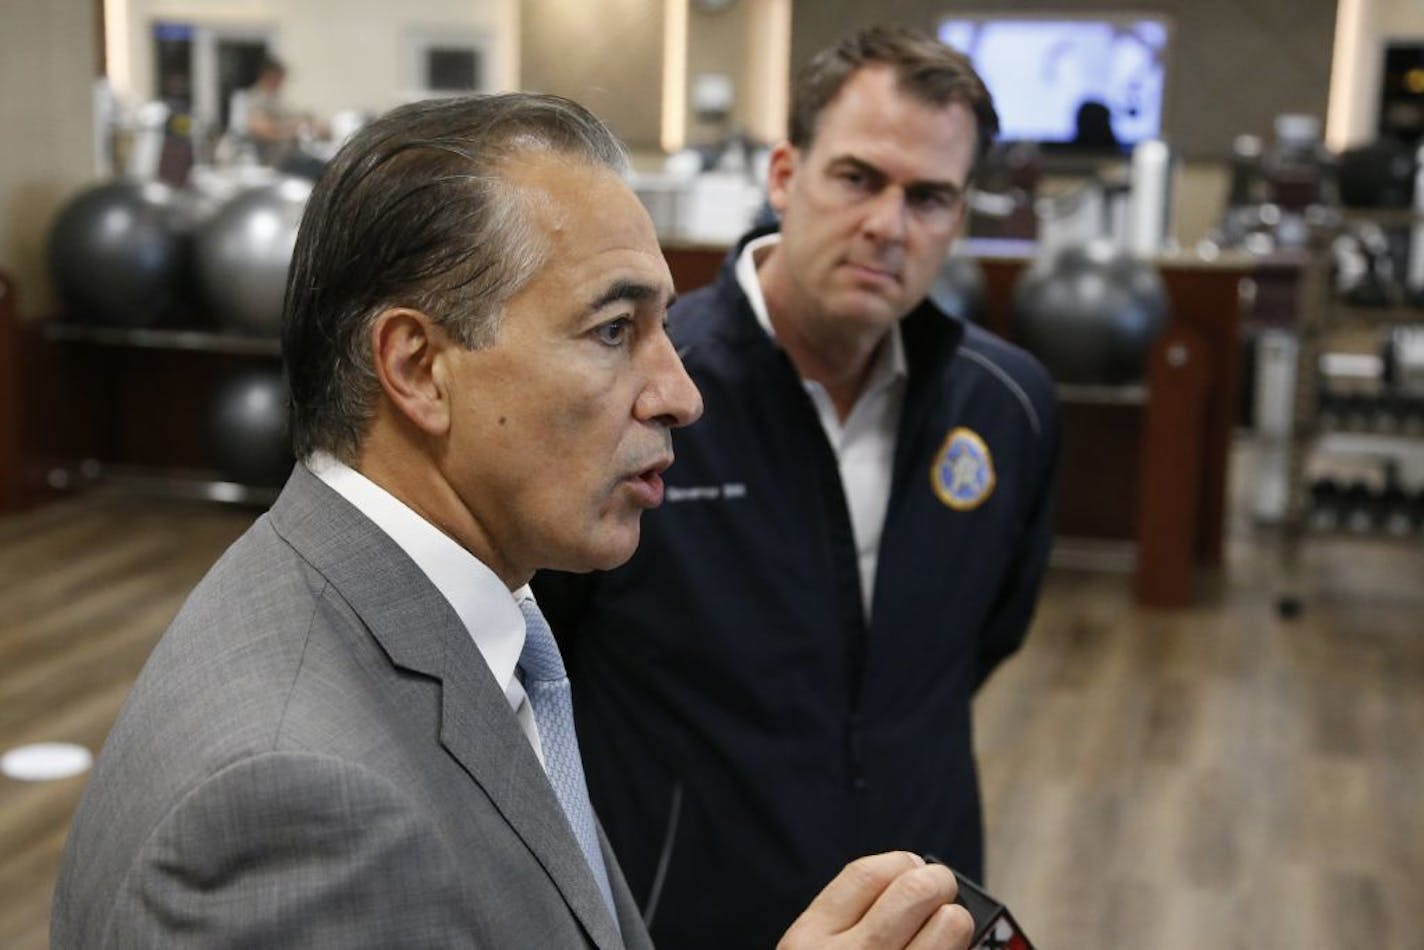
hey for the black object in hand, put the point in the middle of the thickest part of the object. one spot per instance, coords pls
(994, 927)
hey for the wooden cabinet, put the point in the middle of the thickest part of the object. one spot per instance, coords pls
(129, 405)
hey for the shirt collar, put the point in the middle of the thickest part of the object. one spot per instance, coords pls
(489, 612)
(750, 283)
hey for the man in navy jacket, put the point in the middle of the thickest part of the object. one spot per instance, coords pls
(854, 534)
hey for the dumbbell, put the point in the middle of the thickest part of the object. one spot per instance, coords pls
(1383, 414)
(1416, 510)
(1377, 284)
(1389, 357)
(1326, 497)
(1402, 357)
(1356, 411)
(1395, 505)
(1390, 413)
(1327, 408)
(1372, 290)
(1360, 508)
(1410, 409)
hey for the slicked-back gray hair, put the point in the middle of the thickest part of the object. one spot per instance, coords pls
(415, 211)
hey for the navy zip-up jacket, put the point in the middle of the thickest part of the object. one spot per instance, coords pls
(745, 733)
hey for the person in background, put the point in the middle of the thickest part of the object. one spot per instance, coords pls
(854, 536)
(265, 129)
(357, 731)
(1093, 129)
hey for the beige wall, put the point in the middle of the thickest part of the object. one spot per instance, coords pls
(717, 43)
(606, 54)
(1198, 199)
(47, 67)
(748, 41)
(342, 54)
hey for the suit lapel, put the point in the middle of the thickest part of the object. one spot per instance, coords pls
(419, 630)
(481, 733)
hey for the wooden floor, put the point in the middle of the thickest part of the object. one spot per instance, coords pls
(1212, 777)
(1215, 777)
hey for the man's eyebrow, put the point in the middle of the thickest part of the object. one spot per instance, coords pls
(874, 171)
(633, 291)
(860, 163)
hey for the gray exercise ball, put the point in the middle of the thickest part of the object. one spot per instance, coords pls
(248, 434)
(959, 288)
(243, 252)
(115, 256)
(1091, 313)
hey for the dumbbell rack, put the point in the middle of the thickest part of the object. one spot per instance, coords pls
(128, 403)
(1324, 313)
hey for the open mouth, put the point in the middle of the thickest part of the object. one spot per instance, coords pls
(648, 485)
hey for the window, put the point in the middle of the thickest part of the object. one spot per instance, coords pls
(453, 69)
(448, 62)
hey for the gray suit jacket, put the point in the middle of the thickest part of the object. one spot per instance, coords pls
(317, 755)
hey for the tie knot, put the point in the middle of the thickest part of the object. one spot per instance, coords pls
(540, 659)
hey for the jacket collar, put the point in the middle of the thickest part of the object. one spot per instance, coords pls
(930, 335)
(419, 631)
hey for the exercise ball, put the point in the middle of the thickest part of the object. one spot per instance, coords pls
(243, 253)
(959, 288)
(248, 435)
(192, 210)
(1377, 175)
(115, 256)
(1091, 313)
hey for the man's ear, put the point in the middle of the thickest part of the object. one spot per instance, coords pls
(405, 346)
(784, 163)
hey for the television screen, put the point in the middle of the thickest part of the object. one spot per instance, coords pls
(1094, 82)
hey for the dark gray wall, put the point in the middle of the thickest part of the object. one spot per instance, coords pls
(1233, 64)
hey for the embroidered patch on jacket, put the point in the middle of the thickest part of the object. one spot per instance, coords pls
(963, 471)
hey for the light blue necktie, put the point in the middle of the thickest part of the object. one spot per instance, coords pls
(547, 686)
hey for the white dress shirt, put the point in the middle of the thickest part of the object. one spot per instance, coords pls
(865, 443)
(484, 605)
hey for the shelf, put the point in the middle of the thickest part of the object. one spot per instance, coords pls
(1368, 443)
(169, 483)
(1378, 426)
(1344, 316)
(1345, 532)
(198, 341)
(1384, 217)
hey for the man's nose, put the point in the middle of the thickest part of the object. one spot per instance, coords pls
(886, 218)
(671, 397)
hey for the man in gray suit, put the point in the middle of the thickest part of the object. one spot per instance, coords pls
(346, 736)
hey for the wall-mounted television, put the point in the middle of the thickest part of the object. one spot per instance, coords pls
(1090, 81)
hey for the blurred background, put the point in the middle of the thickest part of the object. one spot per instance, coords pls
(1203, 216)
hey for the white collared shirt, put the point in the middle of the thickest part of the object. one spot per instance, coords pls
(865, 443)
(484, 605)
